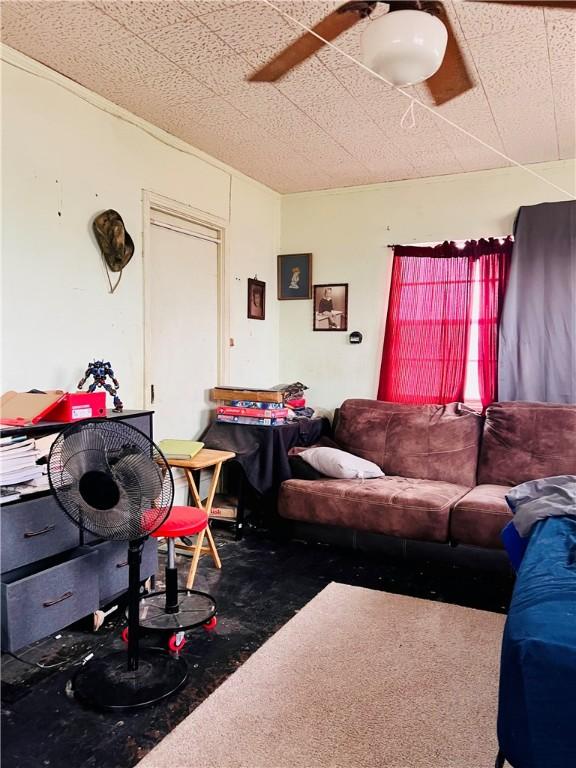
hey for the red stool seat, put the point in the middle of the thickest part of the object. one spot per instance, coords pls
(182, 521)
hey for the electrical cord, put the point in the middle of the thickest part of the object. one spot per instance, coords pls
(33, 663)
(83, 658)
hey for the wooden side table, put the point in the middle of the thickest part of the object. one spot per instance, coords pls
(204, 459)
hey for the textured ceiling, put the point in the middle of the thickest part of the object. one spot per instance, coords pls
(182, 65)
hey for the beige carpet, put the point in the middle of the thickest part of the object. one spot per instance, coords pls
(357, 679)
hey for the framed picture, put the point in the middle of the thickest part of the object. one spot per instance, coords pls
(295, 276)
(331, 307)
(256, 299)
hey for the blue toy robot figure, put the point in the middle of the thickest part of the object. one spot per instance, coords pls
(102, 371)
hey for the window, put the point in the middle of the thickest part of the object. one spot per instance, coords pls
(441, 340)
(472, 382)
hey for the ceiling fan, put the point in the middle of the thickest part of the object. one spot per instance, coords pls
(388, 44)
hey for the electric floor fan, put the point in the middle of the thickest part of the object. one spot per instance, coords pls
(114, 482)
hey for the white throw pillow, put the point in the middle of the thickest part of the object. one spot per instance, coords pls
(339, 464)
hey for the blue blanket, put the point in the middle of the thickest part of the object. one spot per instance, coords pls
(537, 700)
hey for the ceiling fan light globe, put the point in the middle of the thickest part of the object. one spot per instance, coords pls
(405, 47)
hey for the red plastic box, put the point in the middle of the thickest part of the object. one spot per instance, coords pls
(78, 405)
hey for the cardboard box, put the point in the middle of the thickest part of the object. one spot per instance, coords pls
(20, 408)
(260, 395)
(224, 508)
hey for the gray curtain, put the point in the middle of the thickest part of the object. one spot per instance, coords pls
(537, 350)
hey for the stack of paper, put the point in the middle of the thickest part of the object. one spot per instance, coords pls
(43, 445)
(23, 467)
(18, 460)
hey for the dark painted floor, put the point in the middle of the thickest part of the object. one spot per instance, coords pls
(262, 584)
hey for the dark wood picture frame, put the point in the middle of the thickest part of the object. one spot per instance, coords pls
(256, 288)
(335, 319)
(294, 276)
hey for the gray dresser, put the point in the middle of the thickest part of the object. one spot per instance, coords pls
(52, 575)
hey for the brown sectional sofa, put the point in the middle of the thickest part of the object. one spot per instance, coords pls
(447, 469)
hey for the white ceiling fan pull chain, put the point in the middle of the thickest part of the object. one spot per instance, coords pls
(408, 120)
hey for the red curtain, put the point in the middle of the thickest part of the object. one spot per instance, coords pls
(494, 269)
(429, 318)
(426, 342)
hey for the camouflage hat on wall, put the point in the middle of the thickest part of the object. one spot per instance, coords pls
(115, 243)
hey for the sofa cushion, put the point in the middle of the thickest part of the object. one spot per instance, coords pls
(478, 517)
(397, 506)
(436, 442)
(524, 441)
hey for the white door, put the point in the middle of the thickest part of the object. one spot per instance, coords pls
(183, 328)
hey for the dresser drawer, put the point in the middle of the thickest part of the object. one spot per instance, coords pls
(113, 566)
(37, 601)
(33, 530)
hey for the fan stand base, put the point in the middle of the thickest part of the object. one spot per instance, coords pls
(106, 684)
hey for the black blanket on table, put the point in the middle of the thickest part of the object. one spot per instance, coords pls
(262, 452)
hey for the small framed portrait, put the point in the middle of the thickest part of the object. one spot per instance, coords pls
(331, 307)
(256, 299)
(295, 276)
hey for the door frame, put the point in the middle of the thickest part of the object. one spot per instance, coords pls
(152, 201)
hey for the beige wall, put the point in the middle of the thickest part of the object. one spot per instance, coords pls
(348, 232)
(65, 158)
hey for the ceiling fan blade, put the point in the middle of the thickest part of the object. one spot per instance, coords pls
(300, 50)
(570, 4)
(453, 78)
